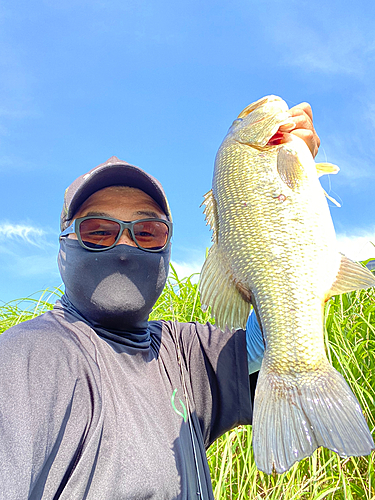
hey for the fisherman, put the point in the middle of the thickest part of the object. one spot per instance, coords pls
(96, 402)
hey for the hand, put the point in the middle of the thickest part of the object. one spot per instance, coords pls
(303, 119)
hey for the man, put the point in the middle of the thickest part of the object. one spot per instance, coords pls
(96, 402)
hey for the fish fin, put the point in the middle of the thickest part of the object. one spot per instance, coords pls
(229, 301)
(291, 420)
(326, 168)
(210, 212)
(290, 168)
(331, 199)
(351, 276)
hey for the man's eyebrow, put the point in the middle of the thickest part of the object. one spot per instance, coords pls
(147, 213)
(97, 214)
(143, 213)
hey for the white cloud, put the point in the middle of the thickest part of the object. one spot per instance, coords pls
(357, 247)
(322, 40)
(27, 259)
(369, 114)
(186, 269)
(20, 232)
(330, 56)
(355, 166)
(33, 266)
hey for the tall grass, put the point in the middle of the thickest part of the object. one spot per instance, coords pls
(350, 342)
(18, 310)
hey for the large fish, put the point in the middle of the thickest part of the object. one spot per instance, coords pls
(274, 246)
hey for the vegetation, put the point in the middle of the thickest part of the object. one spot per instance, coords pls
(16, 311)
(350, 341)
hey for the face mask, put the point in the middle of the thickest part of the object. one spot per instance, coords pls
(114, 289)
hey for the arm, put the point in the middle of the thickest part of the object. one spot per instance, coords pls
(216, 363)
(44, 411)
(24, 406)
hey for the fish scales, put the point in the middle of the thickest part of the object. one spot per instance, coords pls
(274, 244)
(275, 265)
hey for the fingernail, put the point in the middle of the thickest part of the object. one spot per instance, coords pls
(287, 126)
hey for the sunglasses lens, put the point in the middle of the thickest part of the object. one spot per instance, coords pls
(152, 234)
(99, 233)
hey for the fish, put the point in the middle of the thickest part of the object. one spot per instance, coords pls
(274, 249)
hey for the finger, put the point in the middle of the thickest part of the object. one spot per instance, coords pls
(299, 109)
(303, 117)
(287, 127)
(310, 137)
(302, 120)
(301, 125)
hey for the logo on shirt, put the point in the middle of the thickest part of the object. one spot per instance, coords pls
(182, 413)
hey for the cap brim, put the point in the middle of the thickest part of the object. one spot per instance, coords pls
(117, 175)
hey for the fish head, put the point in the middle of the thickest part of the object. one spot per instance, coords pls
(259, 121)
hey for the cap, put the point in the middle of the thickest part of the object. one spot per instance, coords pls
(113, 172)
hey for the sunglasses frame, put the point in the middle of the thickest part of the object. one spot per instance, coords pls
(74, 228)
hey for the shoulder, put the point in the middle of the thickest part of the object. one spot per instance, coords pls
(44, 343)
(44, 330)
(194, 335)
(189, 328)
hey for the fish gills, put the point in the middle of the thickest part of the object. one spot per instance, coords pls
(274, 246)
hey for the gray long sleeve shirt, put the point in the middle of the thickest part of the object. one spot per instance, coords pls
(83, 417)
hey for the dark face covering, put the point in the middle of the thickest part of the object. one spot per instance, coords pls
(113, 290)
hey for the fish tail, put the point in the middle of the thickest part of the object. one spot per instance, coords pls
(291, 421)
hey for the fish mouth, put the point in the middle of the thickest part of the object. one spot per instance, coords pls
(257, 104)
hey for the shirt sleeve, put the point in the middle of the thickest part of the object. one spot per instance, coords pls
(217, 368)
(254, 343)
(40, 401)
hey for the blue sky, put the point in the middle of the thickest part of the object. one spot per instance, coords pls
(158, 83)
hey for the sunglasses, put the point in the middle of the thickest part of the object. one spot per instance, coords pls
(98, 234)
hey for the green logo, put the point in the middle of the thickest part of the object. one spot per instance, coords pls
(184, 414)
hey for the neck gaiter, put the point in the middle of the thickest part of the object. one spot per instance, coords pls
(114, 291)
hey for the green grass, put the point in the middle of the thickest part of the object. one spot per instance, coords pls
(16, 311)
(350, 341)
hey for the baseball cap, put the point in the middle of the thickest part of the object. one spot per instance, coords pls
(113, 172)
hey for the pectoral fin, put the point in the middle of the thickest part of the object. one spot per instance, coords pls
(326, 168)
(351, 276)
(229, 301)
(210, 212)
(290, 168)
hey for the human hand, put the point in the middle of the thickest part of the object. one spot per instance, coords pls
(301, 125)
(302, 117)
